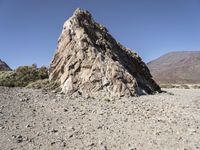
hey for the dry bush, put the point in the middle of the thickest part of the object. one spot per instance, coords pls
(44, 84)
(22, 76)
(184, 86)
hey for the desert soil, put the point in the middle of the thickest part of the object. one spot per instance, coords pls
(34, 120)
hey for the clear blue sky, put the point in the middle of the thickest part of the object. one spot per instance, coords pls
(29, 29)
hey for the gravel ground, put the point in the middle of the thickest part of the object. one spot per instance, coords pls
(34, 119)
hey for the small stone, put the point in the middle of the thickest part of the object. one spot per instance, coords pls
(26, 139)
(64, 144)
(24, 99)
(107, 100)
(91, 145)
(12, 115)
(54, 131)
(38, 134)
(30, 140)
(105, 147)
(71, 135)
(28, 126)
(126, 120)
(19, 139)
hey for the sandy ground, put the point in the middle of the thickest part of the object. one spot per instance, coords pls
(32, 119)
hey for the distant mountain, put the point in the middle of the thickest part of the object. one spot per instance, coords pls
(4, 66)
(176, 67)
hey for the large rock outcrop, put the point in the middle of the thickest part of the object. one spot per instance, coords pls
(4, 66)
(90, 61)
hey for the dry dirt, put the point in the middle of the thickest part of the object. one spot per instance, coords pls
(34, 119)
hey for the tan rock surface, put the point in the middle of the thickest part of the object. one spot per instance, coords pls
(89, 60)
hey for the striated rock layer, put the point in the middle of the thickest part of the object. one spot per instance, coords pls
(88, 60)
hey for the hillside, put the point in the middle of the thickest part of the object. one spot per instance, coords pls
(176, 67)
(4, 66)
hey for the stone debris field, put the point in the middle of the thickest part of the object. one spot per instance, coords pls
(35, 119)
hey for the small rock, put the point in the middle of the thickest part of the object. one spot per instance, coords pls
(24, 99)
(71, 135)
(38, 134)
(52, 143)
(65, 110)
(19, 139)
(126, 120)
(91, 145)
(63, 144)
(28, 126)
(54, 131)
(107, 100)
(105, 147)
(12, 115)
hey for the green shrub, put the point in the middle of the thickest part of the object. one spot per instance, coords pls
(22, 76)
(7, 78)
(43, 72)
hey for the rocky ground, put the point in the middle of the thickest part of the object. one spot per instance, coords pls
(34, 119)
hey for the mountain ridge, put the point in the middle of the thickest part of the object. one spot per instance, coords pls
(176, 67)
(4, 66)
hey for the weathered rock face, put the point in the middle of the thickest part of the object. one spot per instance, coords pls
(90, 61)
(4, 66)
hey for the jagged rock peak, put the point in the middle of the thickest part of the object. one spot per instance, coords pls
(88, 60)
(82, 12)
